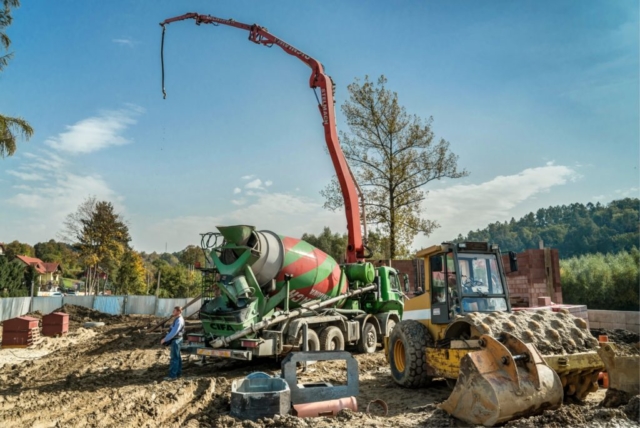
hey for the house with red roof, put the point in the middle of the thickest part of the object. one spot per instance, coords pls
(48, 273)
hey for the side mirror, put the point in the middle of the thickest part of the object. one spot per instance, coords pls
(436, 264)
(513, 261)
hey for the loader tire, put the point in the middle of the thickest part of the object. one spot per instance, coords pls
(407, 354)
(331, 339)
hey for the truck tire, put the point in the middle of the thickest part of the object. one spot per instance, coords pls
(331, 339)
(369, 339)
(312, 340)
(407, 354)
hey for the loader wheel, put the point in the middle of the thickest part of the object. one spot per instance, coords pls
(369, 340)
(312, 340)
(407, 354)
(331, 339)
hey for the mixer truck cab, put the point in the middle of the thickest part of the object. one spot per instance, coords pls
(266, 295)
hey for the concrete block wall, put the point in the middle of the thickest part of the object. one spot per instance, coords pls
(611, 320)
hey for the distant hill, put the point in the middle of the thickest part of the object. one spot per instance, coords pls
(574, 229)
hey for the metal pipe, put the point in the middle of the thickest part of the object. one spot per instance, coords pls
(308, 307)
(349, 311)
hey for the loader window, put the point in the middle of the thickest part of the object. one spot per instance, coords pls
(443, 282)
(481, 283)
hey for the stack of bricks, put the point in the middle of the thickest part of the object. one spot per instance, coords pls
(413, 268)
(55, 324)
(538, 275)
(20, 332)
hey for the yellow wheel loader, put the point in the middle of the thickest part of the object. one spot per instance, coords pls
(503, 363)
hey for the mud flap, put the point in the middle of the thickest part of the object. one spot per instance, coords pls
(504, 380)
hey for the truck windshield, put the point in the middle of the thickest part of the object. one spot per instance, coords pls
(481, 283)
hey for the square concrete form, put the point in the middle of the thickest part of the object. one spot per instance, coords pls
(320, 392)
(20, 332)
(260, 396)
(55, 324)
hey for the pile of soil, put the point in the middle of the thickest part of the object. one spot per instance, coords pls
(81, 314)
(112, 377)
(551, 332)
(617, 335)
(572, 415)
(627, 342)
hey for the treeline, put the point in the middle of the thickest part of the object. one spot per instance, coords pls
(574, 229)
(98, 252)
(600, 281)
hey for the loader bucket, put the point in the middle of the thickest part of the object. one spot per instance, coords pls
(623, 370)
(504, 380)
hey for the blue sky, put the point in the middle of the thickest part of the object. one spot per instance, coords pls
(538, 98)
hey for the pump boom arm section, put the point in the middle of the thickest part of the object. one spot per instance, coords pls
(318, 79)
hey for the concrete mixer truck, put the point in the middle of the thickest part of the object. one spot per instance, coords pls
(266, 294)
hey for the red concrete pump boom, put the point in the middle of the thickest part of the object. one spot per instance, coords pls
(318, 79)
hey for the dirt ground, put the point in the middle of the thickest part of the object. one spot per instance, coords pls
(112, 377)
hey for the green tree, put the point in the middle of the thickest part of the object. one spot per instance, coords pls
(333, 244)
(574, 229)
(191, 256)
(17, 248)
(11, 128)
(393, 155)
(11, 277)
(58, 252)
(602, 281)
(100, 235)
(177, 281)
(131, 275)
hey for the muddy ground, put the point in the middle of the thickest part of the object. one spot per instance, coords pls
(112, 377)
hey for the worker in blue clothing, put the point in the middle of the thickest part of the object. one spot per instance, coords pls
(174, 339)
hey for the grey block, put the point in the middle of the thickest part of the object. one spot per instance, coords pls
(320, 391)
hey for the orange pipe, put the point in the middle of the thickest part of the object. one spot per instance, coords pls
(325, 408)
(603, 379)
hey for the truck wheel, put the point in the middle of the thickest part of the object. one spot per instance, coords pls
(312, 340)
(407, 354)
(369, 340)
(331, 339)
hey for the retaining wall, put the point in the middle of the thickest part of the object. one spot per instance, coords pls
(627, 320)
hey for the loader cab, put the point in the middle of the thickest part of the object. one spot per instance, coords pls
(466, 277)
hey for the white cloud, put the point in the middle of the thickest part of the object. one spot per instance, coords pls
(238, 201)
(255, 184)
(248, 177)
(282, 213)
(27, 176)
(46, 203)
(237, 190)
(464, 207)
(268, 183)
(124, 42)
(631, 191)
(96, 133)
